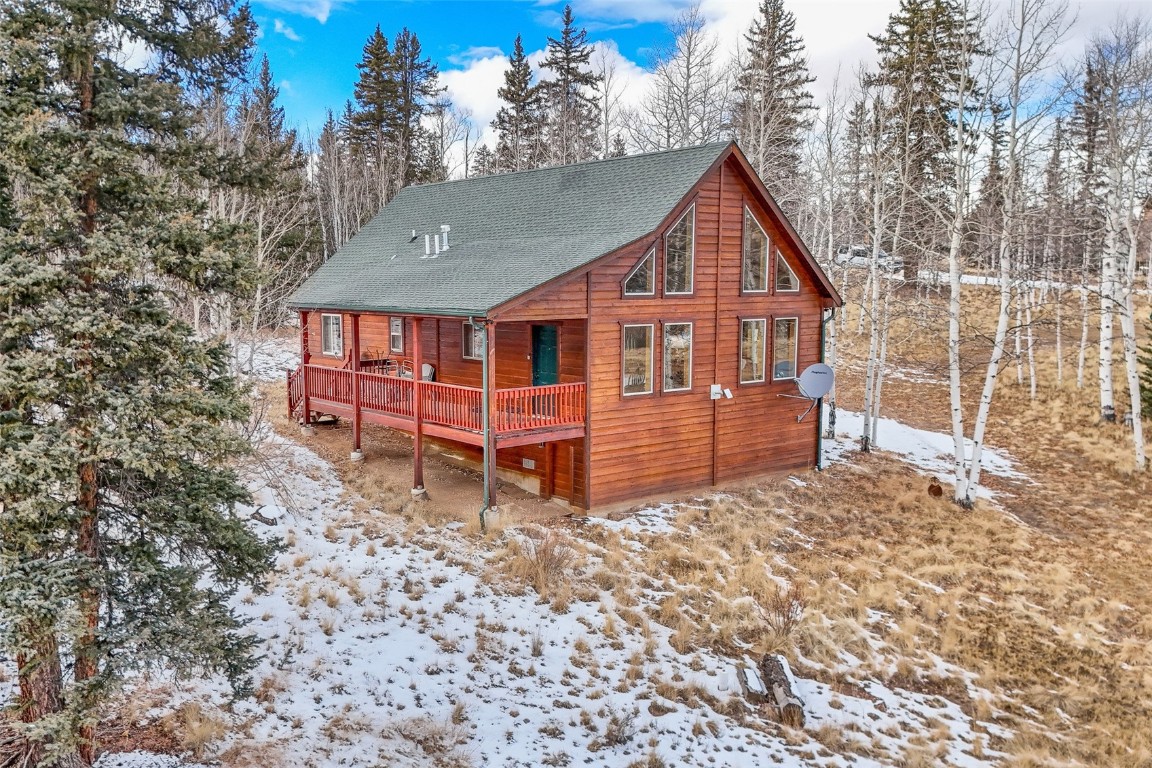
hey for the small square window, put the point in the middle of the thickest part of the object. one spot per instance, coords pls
(332, 335)
(396, 335)
(473, 341)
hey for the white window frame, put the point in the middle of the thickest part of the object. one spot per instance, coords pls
(795, 349)
(392, 334)
(651, 255)
(691, 257)
(744, 253)
(776, 275)
(763, 350)
(664, 357)
(477, 343)
(651, 357)
(337, 349)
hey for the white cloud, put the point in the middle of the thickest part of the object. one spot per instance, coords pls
(280, 28)
(473, 87)
(469, 55)
(313, 9)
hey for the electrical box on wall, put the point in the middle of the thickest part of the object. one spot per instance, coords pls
(716, 392)
(528, 463)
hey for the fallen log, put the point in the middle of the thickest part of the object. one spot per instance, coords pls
(783, 698)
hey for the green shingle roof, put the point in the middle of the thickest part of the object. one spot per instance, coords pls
(510, 233)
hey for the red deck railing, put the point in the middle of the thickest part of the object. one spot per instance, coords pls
(526, 408)
(521, 409)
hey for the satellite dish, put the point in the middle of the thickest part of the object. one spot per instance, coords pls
(816, 381)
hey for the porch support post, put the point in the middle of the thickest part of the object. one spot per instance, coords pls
(418, 491)
(305, 359)
(357, 454)
(489, 388)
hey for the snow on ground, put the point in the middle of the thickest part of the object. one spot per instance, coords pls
(270, 359)
(930, 451)
(387, 643)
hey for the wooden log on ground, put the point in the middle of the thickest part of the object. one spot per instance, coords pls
(783, 697)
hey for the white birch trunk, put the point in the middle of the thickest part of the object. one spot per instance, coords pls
(1082, 357)
(1059, 294)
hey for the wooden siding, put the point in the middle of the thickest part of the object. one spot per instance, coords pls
(647, 444)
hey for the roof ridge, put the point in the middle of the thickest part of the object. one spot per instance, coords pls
(597, 161)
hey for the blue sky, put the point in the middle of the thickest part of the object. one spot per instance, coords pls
(314, 45)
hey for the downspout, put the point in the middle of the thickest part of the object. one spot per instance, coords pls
(820, 403)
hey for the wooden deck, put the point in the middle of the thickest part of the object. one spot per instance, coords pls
(520, 416)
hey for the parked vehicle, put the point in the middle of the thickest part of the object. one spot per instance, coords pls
(861, 256)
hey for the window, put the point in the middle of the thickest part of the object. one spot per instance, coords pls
(755, 255)
(637, 364)
(332, 335)
(786, 280)
(473, 341)
(752, 350)
(396, 335)
(679, 248)
(784, 349)
(677, 356)
(641, 281)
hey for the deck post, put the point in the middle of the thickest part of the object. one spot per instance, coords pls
(305, 359)
(489, 374)
(357, 454)
(418, 491)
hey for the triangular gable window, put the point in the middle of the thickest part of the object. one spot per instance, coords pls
(786, 280)
(641, 281)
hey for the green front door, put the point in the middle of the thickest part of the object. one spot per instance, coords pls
(545, 355)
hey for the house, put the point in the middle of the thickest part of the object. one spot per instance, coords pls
(569, 325)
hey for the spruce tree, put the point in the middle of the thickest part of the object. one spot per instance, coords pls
(922, 55)
(518, 123)
(573, 112)
(773, 104)
(119, 540)
(1146, 375)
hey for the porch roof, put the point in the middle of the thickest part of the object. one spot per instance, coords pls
(509, 233)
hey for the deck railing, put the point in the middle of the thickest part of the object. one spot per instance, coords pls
(525, 408)
(518, 409)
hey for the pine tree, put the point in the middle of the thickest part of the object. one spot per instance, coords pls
(119, 540)
(573, 112)
(518, 123)
(773, 104)
(923, 54)
(417, 81)
(484, 162)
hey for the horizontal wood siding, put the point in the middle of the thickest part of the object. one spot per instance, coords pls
(568, 298)
(648, 444)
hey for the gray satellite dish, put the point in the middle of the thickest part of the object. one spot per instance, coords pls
(816, 381)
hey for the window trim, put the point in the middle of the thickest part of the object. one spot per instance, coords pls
(466, 328)
(650, 253)
(651, 357)
(323, 341)
(796, 352)
(768, 246)
(740, 352)
(780, 259)
(392, 335)
(691, 210)
(664, 354)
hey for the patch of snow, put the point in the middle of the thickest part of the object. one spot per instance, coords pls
(142, 759)
(270, 358)
(927, 450)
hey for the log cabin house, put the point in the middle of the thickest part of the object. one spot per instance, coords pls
(570, 325)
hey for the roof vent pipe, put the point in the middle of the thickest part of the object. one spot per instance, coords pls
(436, 245)
(427, 245)
(444, 230)
(413, 238)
